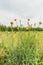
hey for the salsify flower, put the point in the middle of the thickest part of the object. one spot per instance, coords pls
(40, 22)
(15, 19)
(11, 23)
(28, 19)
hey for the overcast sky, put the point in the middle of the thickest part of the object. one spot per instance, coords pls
(10, 9)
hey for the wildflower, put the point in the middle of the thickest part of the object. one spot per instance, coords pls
(28, 19)
(11, 23)
(15, 19)
(28, 28)
(15, 35)
(40, 22)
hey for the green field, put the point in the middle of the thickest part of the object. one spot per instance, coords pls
(21, 48)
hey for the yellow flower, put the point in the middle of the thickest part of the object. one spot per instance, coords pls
(28, 28)
(14, 36)
(11, 23)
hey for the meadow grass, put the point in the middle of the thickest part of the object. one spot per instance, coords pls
(21, 48)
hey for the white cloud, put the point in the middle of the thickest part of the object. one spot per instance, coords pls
(21, 9)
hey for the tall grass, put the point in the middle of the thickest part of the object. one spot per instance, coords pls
(25, 53)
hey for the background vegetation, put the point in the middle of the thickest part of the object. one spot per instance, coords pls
(9, 28)
(21, 48)
(29, 27)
